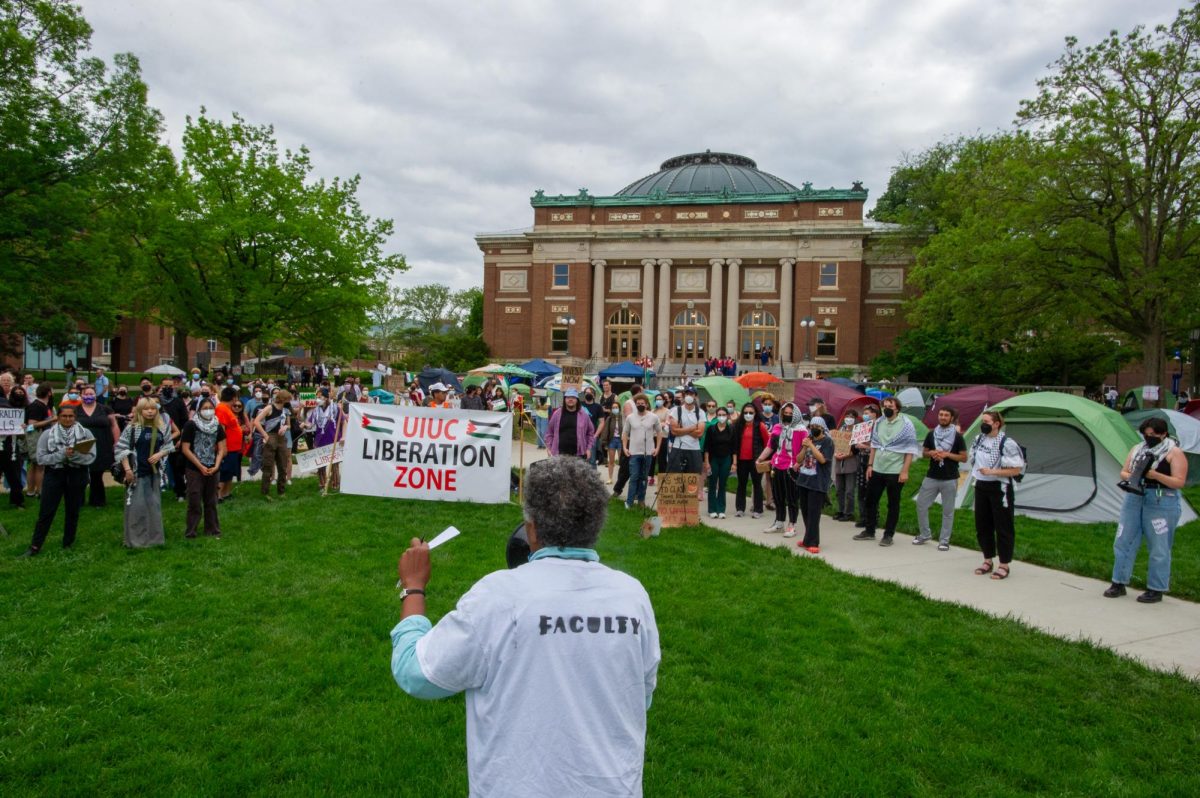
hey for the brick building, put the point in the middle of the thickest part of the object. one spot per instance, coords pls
(708, 256)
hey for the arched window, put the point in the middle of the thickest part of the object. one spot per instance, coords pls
(624, 335)
(689, 335)
(758, 331)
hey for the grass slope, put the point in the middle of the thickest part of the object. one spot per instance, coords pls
(258, 665)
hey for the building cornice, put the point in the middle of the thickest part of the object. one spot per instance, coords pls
(806, 194)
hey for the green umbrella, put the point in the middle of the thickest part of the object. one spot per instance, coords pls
(508, 370)
(480, 379)
(721, 390)
(521, 388)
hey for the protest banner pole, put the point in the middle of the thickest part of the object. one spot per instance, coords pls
(338, 429)
(521, 455)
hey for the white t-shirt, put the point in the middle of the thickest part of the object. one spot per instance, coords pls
(687, 418)
(559, 659)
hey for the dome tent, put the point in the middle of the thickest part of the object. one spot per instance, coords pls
(1075, 448)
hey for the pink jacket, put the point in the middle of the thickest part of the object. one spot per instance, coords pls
(585, 433)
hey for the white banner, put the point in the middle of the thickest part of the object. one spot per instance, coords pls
(12, 420)
(319, 457)
(427, 453)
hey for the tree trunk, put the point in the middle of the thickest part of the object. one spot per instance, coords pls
(181, 353)
(1152, 361)
(235, 352)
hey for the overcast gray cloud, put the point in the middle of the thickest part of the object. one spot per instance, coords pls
(453, 113)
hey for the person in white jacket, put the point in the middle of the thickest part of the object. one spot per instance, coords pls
(65, 450)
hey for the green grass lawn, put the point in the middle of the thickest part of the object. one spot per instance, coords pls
(258, 665)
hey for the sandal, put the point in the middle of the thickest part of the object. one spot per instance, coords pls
(1001, 572)
(986, 568)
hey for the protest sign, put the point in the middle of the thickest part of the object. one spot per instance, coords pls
(12, 420)
(677, 505)
(1149, 393)
(320, 457)
(841, 440)
(572, 377)
(861, 433)
(433, 454)
(308, 399)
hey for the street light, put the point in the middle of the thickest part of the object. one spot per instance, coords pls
(808, 322)
(568, 321)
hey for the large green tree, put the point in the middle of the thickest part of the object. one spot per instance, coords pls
(75, 139)
(248, 245)
(1080, 220)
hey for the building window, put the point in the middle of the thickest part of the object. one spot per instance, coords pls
(624, 335)
(212, 344)
(758, 331)
(829, 275)
(559, 339)
(106, 346)
(47, 358)
(689, 333)
(826, 343)
(561, 275)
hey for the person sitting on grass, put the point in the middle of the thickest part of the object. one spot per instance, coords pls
(561, 650)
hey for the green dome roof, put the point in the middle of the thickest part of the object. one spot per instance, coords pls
(707, 172)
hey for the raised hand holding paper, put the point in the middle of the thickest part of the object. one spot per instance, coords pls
(449, 533)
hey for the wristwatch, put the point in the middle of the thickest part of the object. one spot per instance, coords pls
(406, 592)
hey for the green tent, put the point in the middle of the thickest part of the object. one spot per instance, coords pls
(721, 390)
(1075, 451)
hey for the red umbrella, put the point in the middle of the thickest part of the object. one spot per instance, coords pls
(754, 380)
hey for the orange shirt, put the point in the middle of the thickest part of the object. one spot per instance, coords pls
(233, 430)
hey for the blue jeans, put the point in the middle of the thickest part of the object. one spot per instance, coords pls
(1153, 517)
(541, 425)
(639, 472)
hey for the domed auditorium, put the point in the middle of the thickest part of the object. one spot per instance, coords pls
(709, 256)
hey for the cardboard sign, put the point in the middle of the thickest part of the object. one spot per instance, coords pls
(427, 453)
(12, 420)
(677, 503)
(572, 377)
(861, 434)
(841, 440)
(319, 457)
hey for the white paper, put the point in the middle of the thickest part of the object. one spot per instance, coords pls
(449, 533)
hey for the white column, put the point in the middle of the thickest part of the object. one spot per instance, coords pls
(598, 348)
(734, 317)
(647, 299)
(787, 300)
(663, 342)
(714, 310)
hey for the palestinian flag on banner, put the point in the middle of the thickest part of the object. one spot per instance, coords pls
(484, 429)
(378, 423)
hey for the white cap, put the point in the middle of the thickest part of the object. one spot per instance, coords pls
(438, 386)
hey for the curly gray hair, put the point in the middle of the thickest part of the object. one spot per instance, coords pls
(566, 501)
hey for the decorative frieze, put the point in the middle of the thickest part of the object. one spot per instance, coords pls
(827, 310)
(831, 211)
(888, 311)
(758, 281)
(760, 214)
(683, 216)
(625, 216)
(567, 216)
(514, 280)
(887, 281)
(690, 280)
(625, 281)
(510, 309)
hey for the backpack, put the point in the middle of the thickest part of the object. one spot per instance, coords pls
(1024, 454)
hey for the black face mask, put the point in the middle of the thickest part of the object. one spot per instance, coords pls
(787, 418)
(985, 428)
(167, 393)
(1152, 440)
(888, 412)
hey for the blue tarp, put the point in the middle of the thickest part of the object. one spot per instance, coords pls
(625, 370)
(540, 368)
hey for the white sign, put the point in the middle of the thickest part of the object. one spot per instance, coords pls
(428, 453)
(12, 420)
(319, 458)
(1149, 393)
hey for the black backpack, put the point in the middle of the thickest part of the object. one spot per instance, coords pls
(1003, 440)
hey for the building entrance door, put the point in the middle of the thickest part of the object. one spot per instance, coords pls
(689, 335)
(758, 331)
(624, 335)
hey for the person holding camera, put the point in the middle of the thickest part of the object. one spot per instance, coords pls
(139, 453)
(562, 650)
(1151, 510)
(995, 460)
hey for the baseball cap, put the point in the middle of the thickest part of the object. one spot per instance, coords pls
(438, 386)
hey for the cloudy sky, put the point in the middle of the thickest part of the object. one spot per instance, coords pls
(453, 113)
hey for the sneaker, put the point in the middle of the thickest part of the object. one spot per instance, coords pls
(887, 540)
(628, 506)
(720, 515)
(812, 549)
(864, 536)
(943, 547)
(738, 514)
(1150, 597)
(920, 541)
(775, 526)
(1115, 591)
(712, 515)
(756, 515)
(791, 531)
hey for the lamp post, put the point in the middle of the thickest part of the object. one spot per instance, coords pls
(568, 321)
(807, 323)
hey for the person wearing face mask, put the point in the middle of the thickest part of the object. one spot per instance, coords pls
(752, 436)
(609, 437)
(144, 444)
(628, 408)
(272, 423)
(768, 404)
(686, 423)
(194, 383)
(324, 422)
(720, 447)
(893, 446)
(816, 407)
(862, 451)
(641, 438)
(599, 416)
(174, 407)
(96, 419)
(230, 465)
(39, 416)
(64, 452)
(204, 446)
(662, 405)
(12, 451)
(994, 460)
(122, 407)
(72, 397)
(845, 472)
(1151, 515)
(945, 448)
(814, 478)
(784, 452)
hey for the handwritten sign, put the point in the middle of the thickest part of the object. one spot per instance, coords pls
(861, 434)
(572, 377)
(841, 440)
(12, 420)
(677, 505)
(1149, 393)
(319, 457)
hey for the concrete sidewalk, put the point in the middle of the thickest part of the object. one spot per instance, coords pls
(1163, 636)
